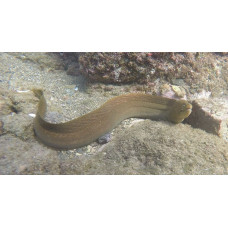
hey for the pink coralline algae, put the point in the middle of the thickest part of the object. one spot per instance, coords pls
(196, 70)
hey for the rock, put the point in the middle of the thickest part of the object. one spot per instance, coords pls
(73, 69)
(19, 125)
(50, 61)
(179, 91)
(104, 139)
(195, 71)
(26, 157)
(147, 147)
(18, 120)
(6, 105)
(152, 147)
(172, 91)
(210, 115)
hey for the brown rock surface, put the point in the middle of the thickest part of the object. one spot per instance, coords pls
(15, 118)
(24, 157)
(210, 115)
(147, 147)
(151, 147)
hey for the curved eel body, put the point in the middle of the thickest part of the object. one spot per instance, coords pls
(87, 128)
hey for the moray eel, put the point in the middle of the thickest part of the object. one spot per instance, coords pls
(87, 128)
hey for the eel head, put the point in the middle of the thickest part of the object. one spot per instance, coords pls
(180, 110)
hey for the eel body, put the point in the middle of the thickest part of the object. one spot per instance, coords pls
(87, 128)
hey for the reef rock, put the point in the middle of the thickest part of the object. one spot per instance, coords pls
(196, 70)
(151, 147)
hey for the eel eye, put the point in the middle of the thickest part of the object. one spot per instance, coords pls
(183, 107)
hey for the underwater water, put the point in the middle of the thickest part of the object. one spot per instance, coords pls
(175, 120)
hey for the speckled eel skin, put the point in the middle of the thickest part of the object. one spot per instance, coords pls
(87, 128)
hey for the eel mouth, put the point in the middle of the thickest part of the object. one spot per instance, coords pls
(189, 109)
(189, 106)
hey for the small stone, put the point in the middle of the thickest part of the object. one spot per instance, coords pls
(22, 168)
(179, 92)
(90, 150)
(23, 91)
(78, 154)
(32, 115)
(178, 82)
(104, 139)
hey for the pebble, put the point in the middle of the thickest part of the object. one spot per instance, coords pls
(104, 139)
(179, 92)
(23, 91)
(32, 115)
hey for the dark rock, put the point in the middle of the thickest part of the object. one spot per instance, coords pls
(104, 139)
